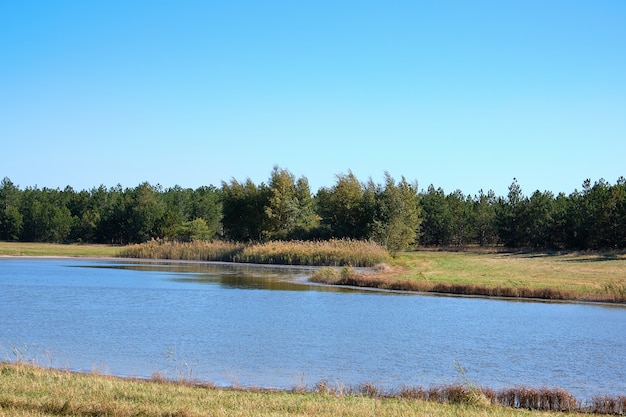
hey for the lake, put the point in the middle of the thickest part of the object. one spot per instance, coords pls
(267, 327)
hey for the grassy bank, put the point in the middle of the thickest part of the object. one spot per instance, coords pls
(571, 276)
(31, 391)
(55, 249)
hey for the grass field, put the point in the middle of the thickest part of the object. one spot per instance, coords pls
(30, 391)
(584, 275)
(55, 249)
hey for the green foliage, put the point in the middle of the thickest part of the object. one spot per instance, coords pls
(397, 219)
(343, 208)
(392, 214)
(243, 210)
(289, 209)
(436, 226)
(196, 229)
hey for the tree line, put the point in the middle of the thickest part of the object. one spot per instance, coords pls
(394, 214)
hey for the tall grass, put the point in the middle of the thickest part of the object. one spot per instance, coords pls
(185, 251)
(355, 253)
(57, 249)
(319, 253)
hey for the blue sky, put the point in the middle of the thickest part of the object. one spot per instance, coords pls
(459, 94)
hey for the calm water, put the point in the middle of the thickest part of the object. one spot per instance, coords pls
(264, 327)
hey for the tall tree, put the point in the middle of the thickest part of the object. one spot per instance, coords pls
(146, 211)
(538, 219)
(244, 210)
(342, 208)
(11, 220)
(436, 227)
(206, 204)
(398, 216)
(510, 216)
(484, 218)
(282, 206)
(460, 208)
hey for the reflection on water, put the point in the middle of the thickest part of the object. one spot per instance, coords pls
(243, 325)
(240, 276)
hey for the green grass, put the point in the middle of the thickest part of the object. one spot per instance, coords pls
(30, 391)
(55, 249)
(585, 275)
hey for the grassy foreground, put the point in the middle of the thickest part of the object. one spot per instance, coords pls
(30, 391)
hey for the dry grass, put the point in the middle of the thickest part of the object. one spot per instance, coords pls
(56, 249)
(31, 391)
(319, 253)
(187, 251)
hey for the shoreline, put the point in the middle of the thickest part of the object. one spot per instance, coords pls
(514, 398)
(362, 274)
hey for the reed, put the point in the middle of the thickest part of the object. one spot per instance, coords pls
(336, 252)
(604, 404)
(315, 253)
(186, 251)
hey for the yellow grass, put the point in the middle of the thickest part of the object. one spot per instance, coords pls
(328, 252)
(335, 252)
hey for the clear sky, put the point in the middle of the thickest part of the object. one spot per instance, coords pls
(459, 94)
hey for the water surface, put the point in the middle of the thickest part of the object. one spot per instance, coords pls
(268, 327)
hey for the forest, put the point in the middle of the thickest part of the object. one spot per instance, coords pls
(395, 214)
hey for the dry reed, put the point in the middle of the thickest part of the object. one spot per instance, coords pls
(188, 251)
(315, 253)
(321, 253)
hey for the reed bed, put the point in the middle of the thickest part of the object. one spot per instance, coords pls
(314, 253)
(185, 251)
(334, 252)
